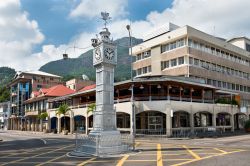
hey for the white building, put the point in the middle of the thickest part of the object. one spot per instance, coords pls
(4, 114)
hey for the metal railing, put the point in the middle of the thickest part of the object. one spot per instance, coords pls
(181, 132)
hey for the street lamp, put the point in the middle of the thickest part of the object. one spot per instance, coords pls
(132, 85)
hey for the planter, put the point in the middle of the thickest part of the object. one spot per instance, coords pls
(247, 130)
(54, 131)
(65, 132)
(45, 130)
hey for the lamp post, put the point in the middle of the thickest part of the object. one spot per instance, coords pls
(132, 85)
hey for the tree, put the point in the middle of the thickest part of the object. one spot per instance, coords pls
(43, 115)
(91, 108)
(63, 110)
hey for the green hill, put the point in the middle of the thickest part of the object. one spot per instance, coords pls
(75, 67)
(6, 74)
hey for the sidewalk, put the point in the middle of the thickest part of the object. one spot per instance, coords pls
(39, 134)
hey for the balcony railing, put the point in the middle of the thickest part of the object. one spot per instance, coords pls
(127, 98)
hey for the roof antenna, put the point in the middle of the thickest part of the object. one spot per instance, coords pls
(214, 31)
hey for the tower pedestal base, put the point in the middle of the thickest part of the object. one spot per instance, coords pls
(103, 143)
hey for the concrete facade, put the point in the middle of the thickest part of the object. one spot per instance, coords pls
(23, 84)
(4, 115)
(188, 52)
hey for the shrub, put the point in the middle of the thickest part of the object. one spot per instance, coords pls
(247, 124)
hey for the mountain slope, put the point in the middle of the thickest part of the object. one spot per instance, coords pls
(75, 67)
(6, 74)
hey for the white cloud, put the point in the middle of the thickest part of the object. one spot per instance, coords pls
(51, 52)
(222, 18)
(93, 8)
(17, 34)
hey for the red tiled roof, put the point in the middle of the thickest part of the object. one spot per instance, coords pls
(44, 90)
(36, 93)
(88, 88)
(58, 90)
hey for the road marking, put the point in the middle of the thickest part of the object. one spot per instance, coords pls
(86, 162)
(53, 159)
(159, 155)
(196, 156)
(44, 141)
(15, 161)
(121, 162)
(222, 151)
(141, 160)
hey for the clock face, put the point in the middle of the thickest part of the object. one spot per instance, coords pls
(109, 53)
(98, 54)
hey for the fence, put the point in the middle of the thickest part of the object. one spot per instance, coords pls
(201, 132)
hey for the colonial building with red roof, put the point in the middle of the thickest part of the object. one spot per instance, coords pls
(38, 104)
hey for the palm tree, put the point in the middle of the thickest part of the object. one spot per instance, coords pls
(90, 108)
(42, 116)
(63, 110)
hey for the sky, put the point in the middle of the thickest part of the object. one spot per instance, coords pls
(34, 32)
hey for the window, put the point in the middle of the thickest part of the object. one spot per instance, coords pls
(172, 46)
(241, 88)
(224, 85)
(233, 86)
(138, 57)
(164, 65)
(190, 42)
(219, 83)
(181, 42)
(237, 87)
(214, 83)
(139, 72)
(39, 86)
(191, 60)
(248, 47)
(209, 81)
(173, 62)
(180, 60)
(196, 62)
(147, 54)
(149, 69)
(144, 70)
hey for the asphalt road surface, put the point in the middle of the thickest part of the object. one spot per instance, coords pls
(22, 148)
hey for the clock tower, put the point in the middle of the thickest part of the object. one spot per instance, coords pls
(104, 60)
(104, 117)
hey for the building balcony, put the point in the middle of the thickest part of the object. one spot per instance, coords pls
(31, 113)
(14, 94)
(13, 105)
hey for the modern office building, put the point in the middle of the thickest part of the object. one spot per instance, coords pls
(188, 52)
(21, 87)
(4, 115)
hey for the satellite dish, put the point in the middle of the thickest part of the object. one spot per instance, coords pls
(85, 77)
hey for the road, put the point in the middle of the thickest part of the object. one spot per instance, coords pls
(22, 148)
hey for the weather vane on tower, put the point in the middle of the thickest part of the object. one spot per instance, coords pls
(105, 18)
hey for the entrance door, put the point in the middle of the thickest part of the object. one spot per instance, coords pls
(155, 122)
